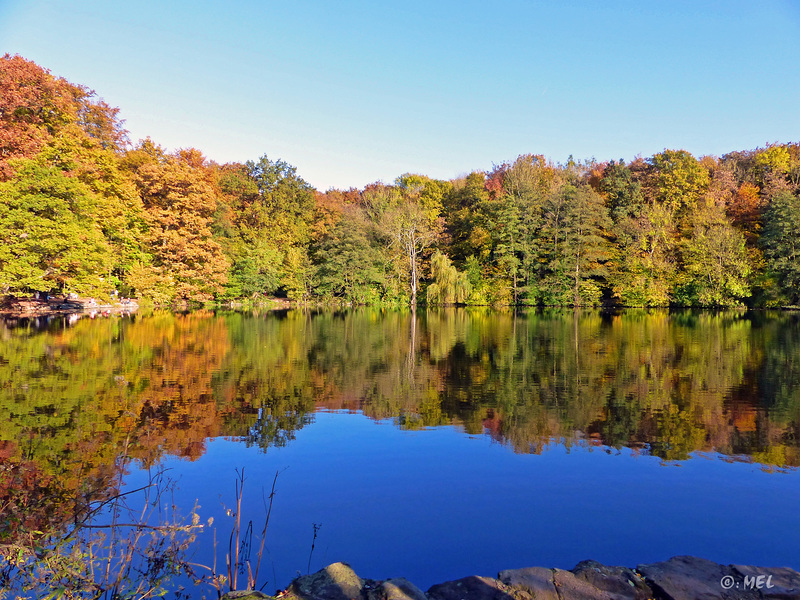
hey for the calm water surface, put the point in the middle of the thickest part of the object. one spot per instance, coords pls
(429, 446)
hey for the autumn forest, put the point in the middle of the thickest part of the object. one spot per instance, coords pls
(86, 211)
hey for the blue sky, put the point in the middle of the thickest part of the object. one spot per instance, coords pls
(355, 92)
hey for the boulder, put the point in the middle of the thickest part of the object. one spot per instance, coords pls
(537, 582)
(774, 583)
(571, 587)
(692, 578)
(589, 580)
(394, 589)
(475, 588)
(335, 582)
(621, 583)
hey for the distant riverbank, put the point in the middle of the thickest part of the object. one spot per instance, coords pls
(35, 307)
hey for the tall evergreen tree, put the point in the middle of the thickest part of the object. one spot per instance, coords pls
(782, 245)
(575, 247)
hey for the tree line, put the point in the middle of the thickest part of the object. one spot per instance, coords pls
(86, 211)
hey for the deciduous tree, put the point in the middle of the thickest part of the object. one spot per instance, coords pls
(180, 201)
(782, 245)
(715, 263)
(679, 180)
(50, 239)
(349, 262)
(449, 285)
(411, 230)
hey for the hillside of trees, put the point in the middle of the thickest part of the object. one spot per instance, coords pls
(83, 210)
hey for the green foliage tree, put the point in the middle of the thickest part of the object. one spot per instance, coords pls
(468, 222)
(255, 262)
(575, 246)
(349, 263)
(646, 204)
(623, 193)
(268, 230)
(50, 238)
(449, 285)
(284, 203)
(297, 274)
(715, 262)
(66, 127)
(518, 218)
(782, 246)
(509, 236)
(679, 180)
(118, 210)
(428, 193)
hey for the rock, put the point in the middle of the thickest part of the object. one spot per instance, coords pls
(679, 578)
(569, 586)
(242, 595)
(621, 583)
(475, 588)
(537, 582)
(692, 578)
(778, 583)
(335, 582)
(395, 589)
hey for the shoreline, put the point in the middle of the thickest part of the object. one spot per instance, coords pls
(679, 578)
(26, 307)
(11, 306)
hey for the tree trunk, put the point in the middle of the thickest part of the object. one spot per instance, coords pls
(413, 256)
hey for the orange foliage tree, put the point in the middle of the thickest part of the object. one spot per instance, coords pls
(180, 199)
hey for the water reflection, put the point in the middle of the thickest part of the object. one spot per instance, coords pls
(77, 394)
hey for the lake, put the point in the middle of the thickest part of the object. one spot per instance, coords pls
(430, 445)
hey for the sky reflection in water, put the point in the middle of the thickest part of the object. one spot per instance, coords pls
(437, 504)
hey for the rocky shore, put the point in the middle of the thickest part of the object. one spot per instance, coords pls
(38, 307)
(679, 578)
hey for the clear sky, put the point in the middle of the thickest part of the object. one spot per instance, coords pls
(354, 92)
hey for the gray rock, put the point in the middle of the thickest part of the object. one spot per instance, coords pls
(692, 578)
(475, 588)
(335, 582)
(568, 586)
(784, 582)
(621, 583)
(395, 589)
(537, 582)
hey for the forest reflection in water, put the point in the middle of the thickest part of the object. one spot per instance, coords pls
(74, 396)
